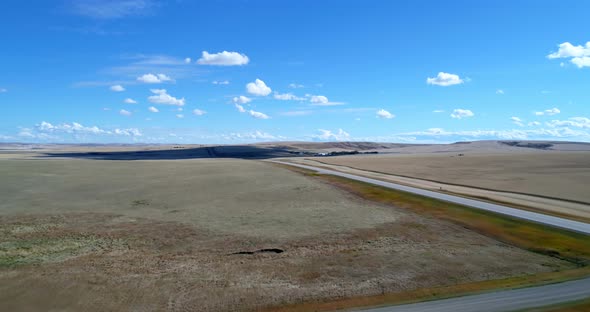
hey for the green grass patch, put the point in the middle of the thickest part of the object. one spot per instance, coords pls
(16, 252)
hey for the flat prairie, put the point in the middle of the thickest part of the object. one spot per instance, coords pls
(218, 235)
(557, 174)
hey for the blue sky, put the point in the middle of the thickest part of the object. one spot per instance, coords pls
(248, 71)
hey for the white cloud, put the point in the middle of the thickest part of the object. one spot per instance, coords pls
(384, 114)
(579, 55)
(567, 50)
(240, 108)
(117, 88)
(127, 132)
(517, 121)
(198, 112)
(499, 91)
(437, 111)
(258, 115)
(241, 99)
(179, 116)
(68, 128)
(444, 79)
(321, 100)
(578, 122)
(130, 101)
(222, 82)
(187, 60)
(151, 78)
(548, 112)
(153, 109)
(125, 112)
(258, 87)
(534, 123)
(287, 97)
(295, 86)
(162, 97)
(77, 128)
(514, 134)
(327, 135)
(224, 58)
(581, 61)
(462, 113)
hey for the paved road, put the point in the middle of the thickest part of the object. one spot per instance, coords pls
(576, 226)
(508, 300)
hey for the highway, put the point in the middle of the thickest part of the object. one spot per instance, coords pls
(507, 300)
(558, 222)
(499, 301)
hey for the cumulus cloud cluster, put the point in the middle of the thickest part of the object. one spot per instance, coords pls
(384, 114)
(444, 80)
(460, 113)
(578, 55)
(77, 128)
(151, 78)
(241, 99)
(321, 100)
(224, 58)
(514, 134)
(162, 97)
(577, 122)
(258, 88)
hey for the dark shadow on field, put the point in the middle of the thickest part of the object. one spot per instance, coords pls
(243, 151)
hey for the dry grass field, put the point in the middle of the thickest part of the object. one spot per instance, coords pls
(564, 175)
(219, 235)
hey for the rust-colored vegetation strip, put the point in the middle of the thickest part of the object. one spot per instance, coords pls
(562, 244)
(576, 306)
(426, 294)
